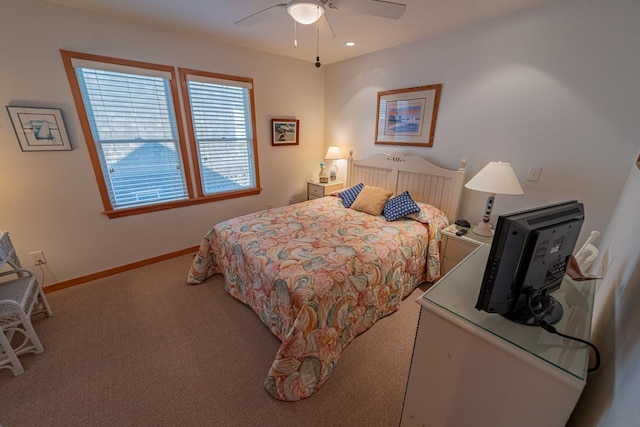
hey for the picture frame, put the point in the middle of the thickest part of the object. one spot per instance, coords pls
(408, 116)
(285, 132)
(39, 129)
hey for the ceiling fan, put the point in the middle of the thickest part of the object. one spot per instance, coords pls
(307, 12)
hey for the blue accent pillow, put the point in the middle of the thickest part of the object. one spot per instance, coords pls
(349, 195)
(399, 206)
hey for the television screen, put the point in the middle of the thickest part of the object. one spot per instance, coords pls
(527, 261)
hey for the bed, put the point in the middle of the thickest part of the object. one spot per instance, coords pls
(318, 273)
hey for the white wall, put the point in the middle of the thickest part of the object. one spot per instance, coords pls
(610, 397)
(554, 87)
(50, 200)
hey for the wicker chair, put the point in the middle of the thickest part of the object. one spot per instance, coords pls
(21, 297)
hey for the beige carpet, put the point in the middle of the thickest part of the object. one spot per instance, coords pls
(144, 348)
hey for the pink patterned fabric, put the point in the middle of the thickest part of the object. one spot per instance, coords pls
(318, 274)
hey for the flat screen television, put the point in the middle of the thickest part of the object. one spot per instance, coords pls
(527, 261)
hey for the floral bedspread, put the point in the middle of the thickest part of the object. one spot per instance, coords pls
(318, 275)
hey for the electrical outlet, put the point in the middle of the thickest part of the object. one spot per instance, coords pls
(269, 205)
(38, 257)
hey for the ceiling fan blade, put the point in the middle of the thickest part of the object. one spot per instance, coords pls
(326, 18)
(381, 8)
(258, 16)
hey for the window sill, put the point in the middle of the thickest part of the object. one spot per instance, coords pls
(118, 213)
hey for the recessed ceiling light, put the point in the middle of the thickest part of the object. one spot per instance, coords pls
(350, 43)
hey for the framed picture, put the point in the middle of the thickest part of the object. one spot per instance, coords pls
(284, 131)
(408, 116)
(39, 129)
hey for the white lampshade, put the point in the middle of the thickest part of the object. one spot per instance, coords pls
(496, 178)
(333, 153)
(305, 12)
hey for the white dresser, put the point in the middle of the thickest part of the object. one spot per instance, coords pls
(472, 368)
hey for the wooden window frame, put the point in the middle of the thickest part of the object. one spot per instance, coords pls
(195, 194)
(184, 72)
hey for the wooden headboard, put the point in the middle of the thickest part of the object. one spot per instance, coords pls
(425, 181)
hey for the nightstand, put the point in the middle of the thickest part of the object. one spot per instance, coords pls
(454, 249)
(316, 190)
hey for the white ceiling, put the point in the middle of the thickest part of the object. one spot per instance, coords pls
(274, 33)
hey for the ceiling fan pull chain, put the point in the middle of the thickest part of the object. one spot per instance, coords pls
(295, 34)
(318, 64)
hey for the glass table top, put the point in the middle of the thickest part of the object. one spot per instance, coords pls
(457, 292)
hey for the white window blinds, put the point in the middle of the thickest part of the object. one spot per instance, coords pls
(223, 130)
(131, 118)
(133, 125)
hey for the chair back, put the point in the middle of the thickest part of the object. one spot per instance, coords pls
(7, 252)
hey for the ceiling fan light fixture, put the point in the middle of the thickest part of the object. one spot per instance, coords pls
(305, 12)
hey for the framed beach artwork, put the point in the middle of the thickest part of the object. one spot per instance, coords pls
(39, 129)
(408, 116)
(285, 131)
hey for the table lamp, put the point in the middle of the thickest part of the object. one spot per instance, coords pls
(494, 178)
(333, 153)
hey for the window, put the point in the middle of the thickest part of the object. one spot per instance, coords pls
(221, 130)
(131, 120)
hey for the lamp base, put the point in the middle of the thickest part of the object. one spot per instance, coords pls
(483, 229)
(333, 172)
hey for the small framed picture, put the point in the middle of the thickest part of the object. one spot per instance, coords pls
(285, 132)
(39, 129)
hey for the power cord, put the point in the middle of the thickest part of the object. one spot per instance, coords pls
(547, 327)
(41, 269)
